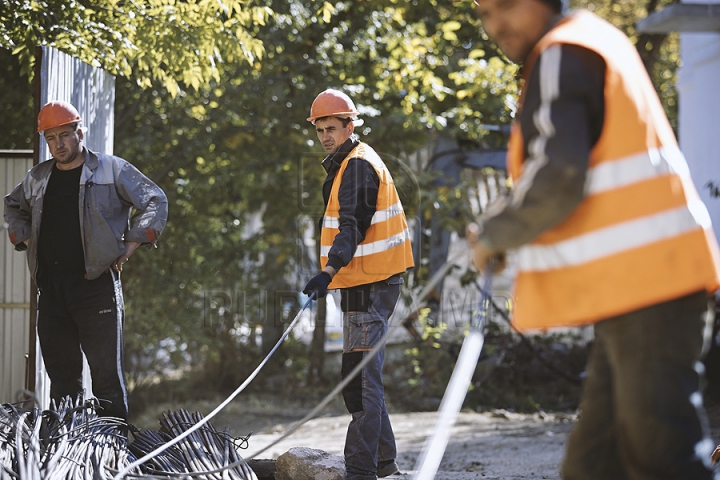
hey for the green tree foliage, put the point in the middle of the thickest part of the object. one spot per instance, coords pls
(168, 41)
(16, 104)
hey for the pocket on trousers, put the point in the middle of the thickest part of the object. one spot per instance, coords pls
(352, 393)
(365, 329)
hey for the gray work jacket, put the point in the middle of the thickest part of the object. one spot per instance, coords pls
(109, 188)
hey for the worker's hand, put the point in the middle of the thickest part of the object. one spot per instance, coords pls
(319, 284)
(481, 254)
(715, 455)
(129, 249)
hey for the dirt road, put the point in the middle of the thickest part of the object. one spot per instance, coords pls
(490, 445)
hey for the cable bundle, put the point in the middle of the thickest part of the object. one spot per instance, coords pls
(66, 442)
(205, 452)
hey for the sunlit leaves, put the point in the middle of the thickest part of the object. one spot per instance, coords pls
(326, 11)
(449, 29)
(401, 59)
(188, 43)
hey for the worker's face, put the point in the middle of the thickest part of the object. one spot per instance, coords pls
(515, 25)
(332, 134)
(64, 144)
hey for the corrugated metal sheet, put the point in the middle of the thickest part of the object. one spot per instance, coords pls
(14, 289)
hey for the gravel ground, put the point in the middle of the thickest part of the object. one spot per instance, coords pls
(495, 444)
(490, 445)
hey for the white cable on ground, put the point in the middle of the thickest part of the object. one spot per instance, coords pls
(202, 422)
(434, 448)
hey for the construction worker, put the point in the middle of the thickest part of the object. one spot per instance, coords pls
(365, 247)
(609, 231)
(75, 255)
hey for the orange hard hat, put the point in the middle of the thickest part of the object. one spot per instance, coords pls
(332, 103)
(57, 113)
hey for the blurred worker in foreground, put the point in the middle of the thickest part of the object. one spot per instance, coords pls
(72, 216)
(609, 231)
(365, 247)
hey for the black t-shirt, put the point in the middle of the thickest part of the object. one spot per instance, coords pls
(60, 249)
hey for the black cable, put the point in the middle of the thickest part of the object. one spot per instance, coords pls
(523, 338)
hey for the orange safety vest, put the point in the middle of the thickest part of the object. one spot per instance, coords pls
(386, 249)
(642, 235)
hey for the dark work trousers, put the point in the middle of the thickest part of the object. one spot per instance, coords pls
(642, 414)
(370, 437)
(75, 313)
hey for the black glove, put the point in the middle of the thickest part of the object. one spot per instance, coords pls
(319, 284)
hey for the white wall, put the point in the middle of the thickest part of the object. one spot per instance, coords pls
(699, 112)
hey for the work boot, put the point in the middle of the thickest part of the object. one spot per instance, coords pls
(357, 474)
(387, 468)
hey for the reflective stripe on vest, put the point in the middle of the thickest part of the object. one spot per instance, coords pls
(379, 216)
(628, 234)
(641, 236)
(386, 248)
(372, 248)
